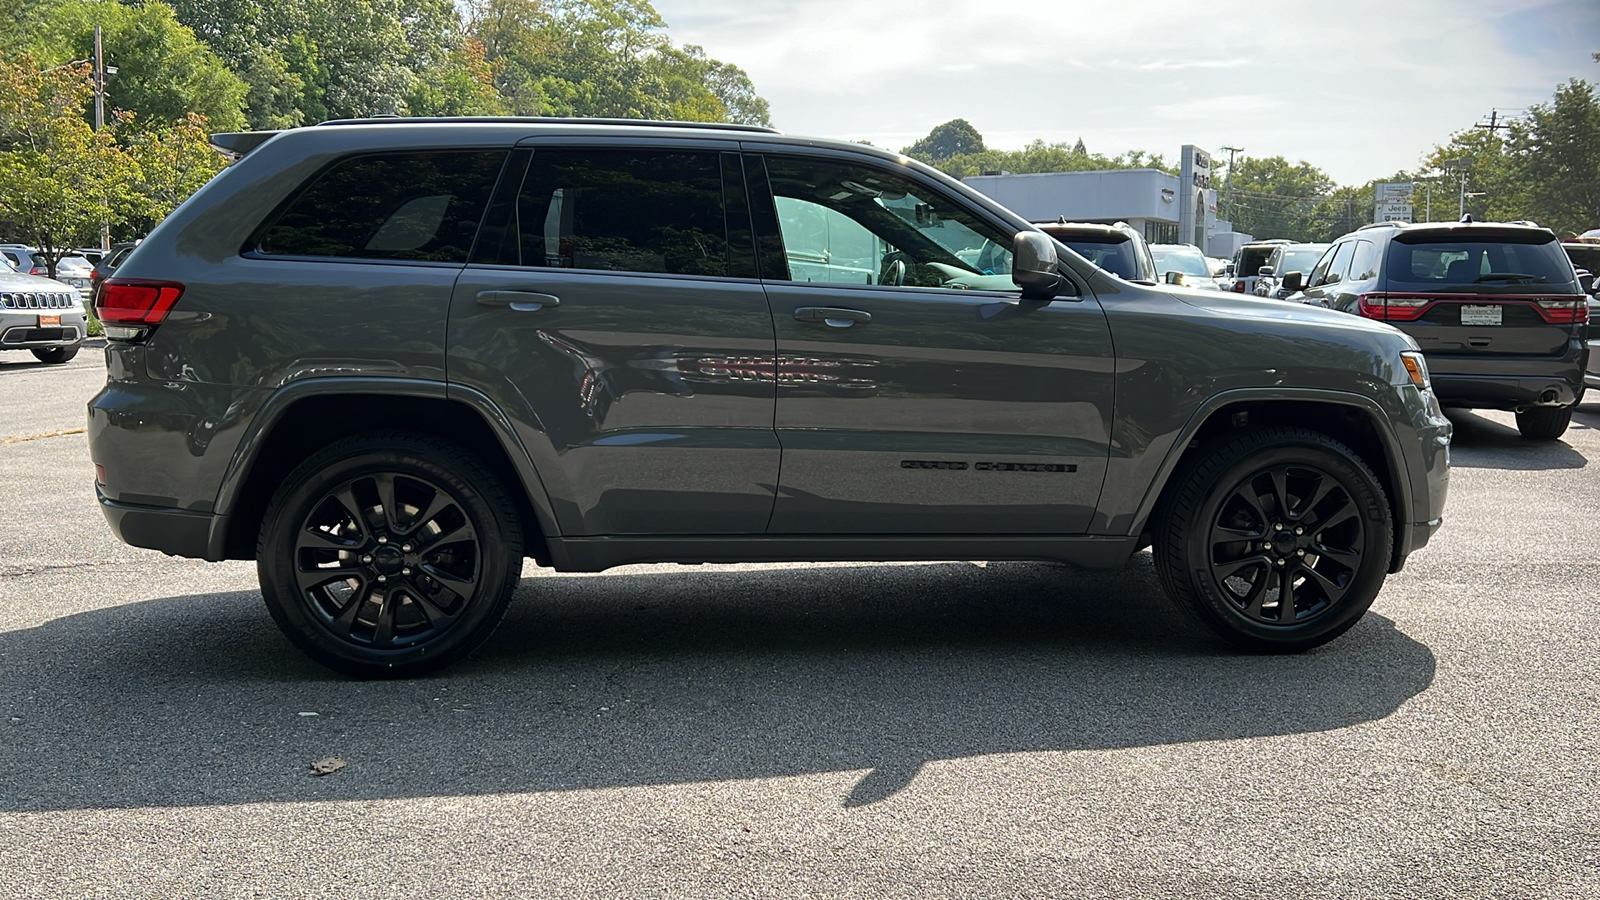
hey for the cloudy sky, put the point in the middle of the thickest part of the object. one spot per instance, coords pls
(1356, 87)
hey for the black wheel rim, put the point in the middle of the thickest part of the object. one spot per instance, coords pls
(388, 561)
(1286, 545)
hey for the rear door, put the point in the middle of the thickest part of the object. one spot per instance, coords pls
(611, 309)
(917, 392)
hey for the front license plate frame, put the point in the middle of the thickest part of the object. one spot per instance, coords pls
(1472, 314)
(50, 321)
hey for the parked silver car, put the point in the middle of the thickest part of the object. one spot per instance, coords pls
(40, 315)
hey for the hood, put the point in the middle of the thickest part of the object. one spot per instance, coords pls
(1250, 306)
(16, 281)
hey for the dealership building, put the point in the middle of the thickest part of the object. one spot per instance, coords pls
(1165, 208)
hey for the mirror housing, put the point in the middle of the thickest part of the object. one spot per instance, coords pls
(1293, 281)
(1265, 272)
(1586, 281)
(1033, 266)
(1173, 277)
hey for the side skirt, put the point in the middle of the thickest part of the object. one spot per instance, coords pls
(595, 554)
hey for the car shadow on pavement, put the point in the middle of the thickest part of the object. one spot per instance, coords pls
(1483, 443)
(631, 679)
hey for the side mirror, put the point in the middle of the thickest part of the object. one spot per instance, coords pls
(1033, 267)
(1586, 281)
(1264, 272)
(1174, 277)
(1294, 281)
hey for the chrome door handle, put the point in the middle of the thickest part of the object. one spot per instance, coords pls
(518, 301)
(832, 316)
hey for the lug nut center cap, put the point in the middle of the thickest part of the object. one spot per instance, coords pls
(388, 559)
(1284, 543)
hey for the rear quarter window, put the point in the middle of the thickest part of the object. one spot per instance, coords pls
(423, 206)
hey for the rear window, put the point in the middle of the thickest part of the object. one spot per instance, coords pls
(1117, 258)
(1586, 257)
(422, 206)
(1474, 263)
(1251, 259)
(1187, 262)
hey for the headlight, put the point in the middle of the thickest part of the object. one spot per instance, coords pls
(1416, 367)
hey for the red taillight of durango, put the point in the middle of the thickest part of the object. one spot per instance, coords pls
(135, 301)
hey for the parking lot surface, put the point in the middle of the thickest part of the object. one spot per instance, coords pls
(942, 730)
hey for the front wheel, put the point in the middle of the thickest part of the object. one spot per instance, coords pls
(1544, 423)
(54, 355)
(389, 555)
(1277, 539)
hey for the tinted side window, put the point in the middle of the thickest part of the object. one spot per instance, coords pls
(612, 210)
(841, 222)
(1364, 264)
(1340, 263)
(415, 206)
(1320, 272)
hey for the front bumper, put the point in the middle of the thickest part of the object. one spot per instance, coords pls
(22, 331)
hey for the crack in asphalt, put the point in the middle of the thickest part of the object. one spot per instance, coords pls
(24, 571)
(17, 439)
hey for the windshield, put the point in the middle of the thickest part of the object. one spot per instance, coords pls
(1189, 262)
(1116, 258)
(1300, 260)
(1475, 263)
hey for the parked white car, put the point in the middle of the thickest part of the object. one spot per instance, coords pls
(39, 315)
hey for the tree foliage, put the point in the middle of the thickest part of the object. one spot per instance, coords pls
(956, 137)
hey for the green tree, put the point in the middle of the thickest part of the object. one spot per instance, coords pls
(1270, 197)
(164, 72)
(60, 177)
(461, 85)
(172, 163)
(1555, 155)
(956, 137)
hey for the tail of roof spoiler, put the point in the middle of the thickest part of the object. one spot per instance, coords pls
(237, 143)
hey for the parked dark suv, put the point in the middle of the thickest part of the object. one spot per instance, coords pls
(388, 360)
(1496, 308)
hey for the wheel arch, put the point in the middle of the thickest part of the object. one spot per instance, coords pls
(299, 419)
(1354, 420)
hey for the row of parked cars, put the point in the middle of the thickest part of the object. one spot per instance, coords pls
(49, 317)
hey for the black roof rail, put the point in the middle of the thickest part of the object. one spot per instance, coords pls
(546, 120)
(1380, 225)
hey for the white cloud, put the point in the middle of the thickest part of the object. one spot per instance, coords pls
(1361, 88)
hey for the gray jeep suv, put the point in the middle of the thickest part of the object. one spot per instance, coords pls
(390, 359)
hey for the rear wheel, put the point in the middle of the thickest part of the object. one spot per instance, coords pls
(389, 555)
(54, 354)
(1544, 423)
(1277, 539)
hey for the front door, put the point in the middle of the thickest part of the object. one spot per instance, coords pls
(917, 392)
(612, 310)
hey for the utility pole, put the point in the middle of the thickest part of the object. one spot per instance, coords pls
(1227, 189)
(1494, 123)
(100, 116)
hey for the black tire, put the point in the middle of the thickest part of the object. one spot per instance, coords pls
(54, 355)
(1269, 507)
(1544, 423)
(389, 555)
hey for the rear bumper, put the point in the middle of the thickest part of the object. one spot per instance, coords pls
(1512, 382)
(175, 532)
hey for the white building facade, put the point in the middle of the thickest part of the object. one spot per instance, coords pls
(1165, 208)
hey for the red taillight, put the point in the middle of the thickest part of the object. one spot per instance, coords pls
(39, 270)
(135, 301)
(1563, 312)
(1393, 307)
(1238, 287)
(95, 276)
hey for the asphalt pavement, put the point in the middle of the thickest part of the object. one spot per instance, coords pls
(955, 729)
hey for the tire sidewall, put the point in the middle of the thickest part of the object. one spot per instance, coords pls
(1376, 544)
(308, 485)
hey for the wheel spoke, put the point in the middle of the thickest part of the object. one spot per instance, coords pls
(437, 505)
(1324, 486)
(352, 508)
(1247, 493)
(383, 635)
(1347, 511)
(1257, 596)
(1330, 588)
(461, 586)
(315, 538)
(1280, 493)
(1344, 557)
(384, 481)
(462, 532)
(1231, 568)
(315, 577)
(437, 617)
(1286, 596)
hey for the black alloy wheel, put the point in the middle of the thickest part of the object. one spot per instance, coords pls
(1278, 539)
(389, 555)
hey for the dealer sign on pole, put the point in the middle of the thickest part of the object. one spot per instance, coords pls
(1393, 201)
